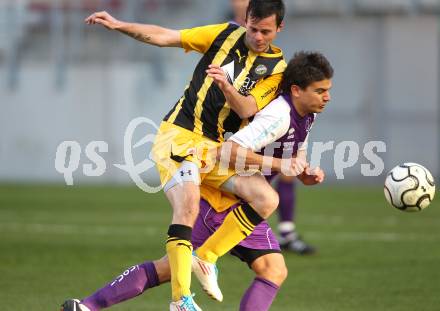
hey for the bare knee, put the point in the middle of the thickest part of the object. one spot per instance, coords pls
(271, 267)
(267, 202)
(163, 269)
(258, 193)
(275, 274)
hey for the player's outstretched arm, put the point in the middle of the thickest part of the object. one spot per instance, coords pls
(234, 155)
(244, 106)
(151, 34)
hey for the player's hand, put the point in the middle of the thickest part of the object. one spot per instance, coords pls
(218, 75)
(312, 177)
(293, 166)
(104, 19)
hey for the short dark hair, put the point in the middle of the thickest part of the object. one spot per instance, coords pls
(259, 9)
(304, 69)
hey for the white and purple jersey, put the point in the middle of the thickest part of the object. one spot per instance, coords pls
(277, 130)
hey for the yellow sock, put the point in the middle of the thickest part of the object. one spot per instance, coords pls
(238, 224)
(179, 253)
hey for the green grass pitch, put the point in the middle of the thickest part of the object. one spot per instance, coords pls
(58, 242)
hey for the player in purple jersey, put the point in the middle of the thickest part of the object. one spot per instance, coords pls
(260, 250)
(305, 92)
(288, 238)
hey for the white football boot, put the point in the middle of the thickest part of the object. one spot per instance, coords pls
(73, 305)
(207, 274)
(187, 303)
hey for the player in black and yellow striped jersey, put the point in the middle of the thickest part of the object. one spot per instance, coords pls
(203, 108)
(237, 76)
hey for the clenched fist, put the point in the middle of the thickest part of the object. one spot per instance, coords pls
(311, 177)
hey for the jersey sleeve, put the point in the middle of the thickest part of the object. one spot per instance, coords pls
(266, 90)
(200, 38)
(268, 125)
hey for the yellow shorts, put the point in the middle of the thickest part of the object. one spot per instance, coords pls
(219, 200)
(175, 144)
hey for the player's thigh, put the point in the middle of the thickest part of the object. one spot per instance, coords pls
(256, 191)
(254, 187)
(183, 192)
(174, 145)
(247, 187)
(271, 267)
(251, 188)
(178, 160)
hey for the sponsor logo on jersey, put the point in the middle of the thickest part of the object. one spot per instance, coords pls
(261, 69)
(237, 51)
(268, 92)
(267, 132)
(291, 133)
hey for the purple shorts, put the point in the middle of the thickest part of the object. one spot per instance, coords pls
(261, 241)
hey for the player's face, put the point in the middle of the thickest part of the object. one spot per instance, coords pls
(261, 33)
(313, 98)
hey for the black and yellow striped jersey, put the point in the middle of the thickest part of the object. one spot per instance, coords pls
(203, 108)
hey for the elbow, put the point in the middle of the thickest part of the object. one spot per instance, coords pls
(166, 44)
(246, 113)
(159, 43)
(248, 110)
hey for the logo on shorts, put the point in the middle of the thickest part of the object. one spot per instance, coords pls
(182, 173)
(261, 69)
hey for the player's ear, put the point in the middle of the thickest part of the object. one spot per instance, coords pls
(280, 27)
(294, 90)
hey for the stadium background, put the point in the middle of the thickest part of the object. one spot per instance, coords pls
(63, 81)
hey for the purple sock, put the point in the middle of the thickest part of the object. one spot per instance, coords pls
(131, 283)
(286, 210)
(259, 296)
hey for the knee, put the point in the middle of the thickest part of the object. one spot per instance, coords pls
(281, 274)
(275, 273)
(263, 198)
(163, 271)
(266, 202)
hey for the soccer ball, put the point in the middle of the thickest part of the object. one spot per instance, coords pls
(409, 187)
